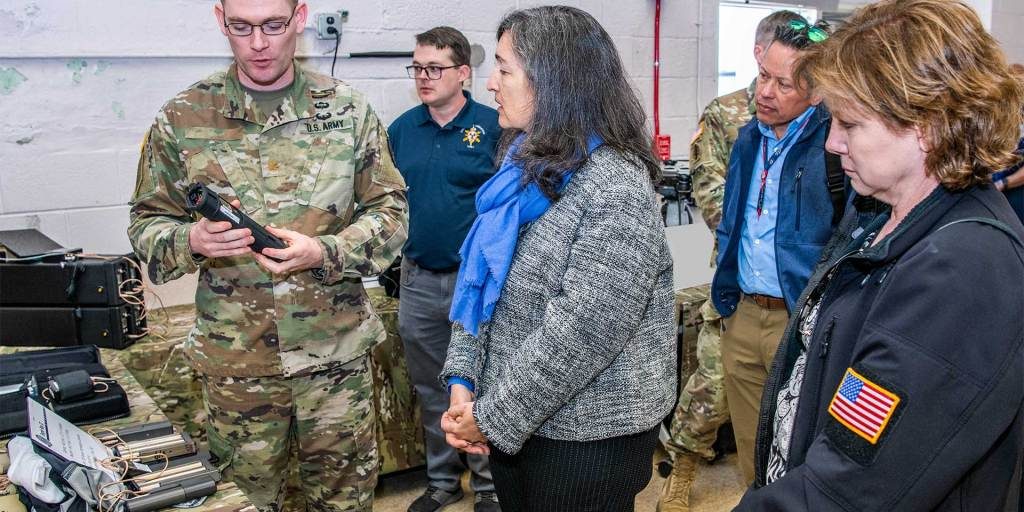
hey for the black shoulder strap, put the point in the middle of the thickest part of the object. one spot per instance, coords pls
(991, 222)
(836, 180)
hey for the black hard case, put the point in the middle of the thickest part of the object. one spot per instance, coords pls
(104, 326)
(58, 282)
(43, 364)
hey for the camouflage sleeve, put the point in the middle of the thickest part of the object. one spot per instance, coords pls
(709, 162)
(379, 226)
(159, 225)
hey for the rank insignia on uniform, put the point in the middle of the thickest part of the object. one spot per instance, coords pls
(471, 136)
(863, 406)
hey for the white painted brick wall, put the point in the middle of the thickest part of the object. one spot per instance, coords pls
(94, 78)
(79, 84)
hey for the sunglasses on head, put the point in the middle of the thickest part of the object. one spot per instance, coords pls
(814, 33)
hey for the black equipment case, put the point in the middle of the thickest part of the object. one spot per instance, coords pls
(105, 326)
(66, 298)
(78, 282)
(44, 365)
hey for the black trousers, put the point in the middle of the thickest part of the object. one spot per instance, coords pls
(565, 476)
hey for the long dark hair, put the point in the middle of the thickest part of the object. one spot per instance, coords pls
(580, 89)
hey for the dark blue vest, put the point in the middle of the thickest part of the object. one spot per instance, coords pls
(804, 221)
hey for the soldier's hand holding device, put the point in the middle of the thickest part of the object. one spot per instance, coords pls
(302, 253)
(224, 230)
(217, 239)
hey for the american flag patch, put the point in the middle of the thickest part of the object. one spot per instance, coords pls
(863, 406)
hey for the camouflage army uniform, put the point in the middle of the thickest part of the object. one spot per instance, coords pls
(319, 165)
(702, 407)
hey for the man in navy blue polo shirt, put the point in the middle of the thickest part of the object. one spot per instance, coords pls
(444, 149)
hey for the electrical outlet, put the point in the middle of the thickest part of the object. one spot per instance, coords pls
(328, 24)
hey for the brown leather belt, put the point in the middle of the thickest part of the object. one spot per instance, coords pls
(766, 301)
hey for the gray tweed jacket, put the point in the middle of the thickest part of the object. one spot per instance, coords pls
(581, 345)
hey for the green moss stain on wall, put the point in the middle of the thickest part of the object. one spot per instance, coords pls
(77, 66)
(10, 79)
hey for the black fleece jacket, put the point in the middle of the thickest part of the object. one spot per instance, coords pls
(936, 318)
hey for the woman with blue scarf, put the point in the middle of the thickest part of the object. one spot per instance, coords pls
(562, 359)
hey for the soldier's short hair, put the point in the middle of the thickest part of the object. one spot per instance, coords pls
(447, 37)
(766, 27)
(293, 2)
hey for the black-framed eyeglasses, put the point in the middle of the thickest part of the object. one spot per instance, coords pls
(815, 33)
(269, 28)
(433, 72)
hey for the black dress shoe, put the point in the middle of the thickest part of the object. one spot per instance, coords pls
(435, 499)
(486, 501)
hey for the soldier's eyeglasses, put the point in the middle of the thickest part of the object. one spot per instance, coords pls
(433, 72)
(269, 28)
(814, 33)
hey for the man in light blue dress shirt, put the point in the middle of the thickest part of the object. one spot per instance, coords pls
(777, 216)
(758, 263)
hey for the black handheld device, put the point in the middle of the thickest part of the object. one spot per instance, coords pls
(188, 489)
(200, 199)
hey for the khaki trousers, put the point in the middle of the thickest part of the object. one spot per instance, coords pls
(749, 340)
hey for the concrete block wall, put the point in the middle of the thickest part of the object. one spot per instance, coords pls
(1007, 20)
(79, 85)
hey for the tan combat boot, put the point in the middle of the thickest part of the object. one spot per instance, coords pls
(675, 496)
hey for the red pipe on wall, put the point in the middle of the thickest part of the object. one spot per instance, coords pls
(662, 143)
(657, 65)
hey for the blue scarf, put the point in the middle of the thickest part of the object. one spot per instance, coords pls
(502, 205)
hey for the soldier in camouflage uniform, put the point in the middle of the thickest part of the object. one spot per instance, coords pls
(281, 345)
(702, 406)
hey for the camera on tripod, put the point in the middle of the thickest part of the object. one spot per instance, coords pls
(676, 190)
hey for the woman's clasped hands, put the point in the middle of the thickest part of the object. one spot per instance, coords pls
(459, 424)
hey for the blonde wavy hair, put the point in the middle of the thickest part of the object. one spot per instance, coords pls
(928, 64)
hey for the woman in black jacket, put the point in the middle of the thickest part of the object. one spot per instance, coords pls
(900, 383)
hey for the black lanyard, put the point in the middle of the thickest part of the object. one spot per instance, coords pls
(768, 162)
